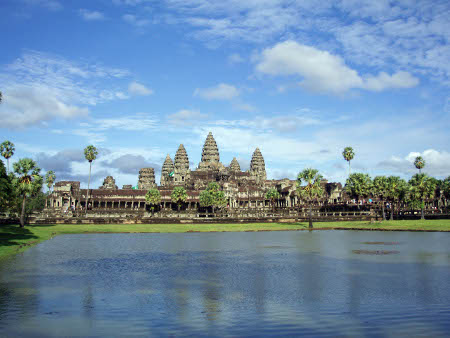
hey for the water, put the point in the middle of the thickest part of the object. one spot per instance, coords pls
(323, 283)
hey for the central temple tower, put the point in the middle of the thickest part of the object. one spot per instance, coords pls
(210, 155)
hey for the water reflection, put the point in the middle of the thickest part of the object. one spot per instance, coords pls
(323, 283)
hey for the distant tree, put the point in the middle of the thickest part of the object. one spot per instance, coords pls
(1, 97)
(397, 189)
(179, 196)
(90, 154)
(312, 190)
(445, 186)
(421, 188)
(50, 178)
(273, 195)
(6, 188)
(153, 197)
(348, 155)
(27, 182)
(212, 196)
(419, 163)
(7, 150)
(358, 185)
(380, 189)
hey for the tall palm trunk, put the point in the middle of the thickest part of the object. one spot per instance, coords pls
(310, 216)
(392, 211)
(89, 182)
(422, 213)
(349, 169)
(382, 210)
(22, 214)
(7, 160)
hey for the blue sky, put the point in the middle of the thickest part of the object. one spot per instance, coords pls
(301, 80)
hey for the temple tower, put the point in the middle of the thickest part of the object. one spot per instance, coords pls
(146, 179)
(257, 166)
(210, 155)
(167, 171)
(109, 183)
(181, 165)
(234, 165)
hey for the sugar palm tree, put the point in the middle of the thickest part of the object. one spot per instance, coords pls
(153, 197)
(312, 189)
(27, 182)
(90, 154)
(422, 187)
(50, 178)
(272, 195)
(358, 185)
(397, 189)
(419, 163)
(348, 155)
(7, 150)
(380, 189)
(179, 195)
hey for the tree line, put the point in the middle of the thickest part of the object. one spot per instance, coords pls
(21, 188)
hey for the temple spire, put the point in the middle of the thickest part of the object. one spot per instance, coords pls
(257, 165)
(234, 165)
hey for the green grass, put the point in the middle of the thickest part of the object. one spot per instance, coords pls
(14, 239)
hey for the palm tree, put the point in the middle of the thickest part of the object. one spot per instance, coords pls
(380, 189)
(27, 182)
(179, 195)
(153, 197)
(358, 185)
(419, 163)
(348, 154)
(273, 195)
(397, 189)
(7, 149)
(422, 187)
(90, 154)
(1, 97)
(50, 178)
(312, 190)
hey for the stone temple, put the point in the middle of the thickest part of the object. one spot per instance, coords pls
(244, 190)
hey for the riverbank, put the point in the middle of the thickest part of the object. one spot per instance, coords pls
(14, 239)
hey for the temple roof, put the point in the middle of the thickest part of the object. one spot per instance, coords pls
(234, 165)
(181, 159)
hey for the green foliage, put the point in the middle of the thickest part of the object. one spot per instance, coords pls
(445, 186)
(50, 178)
(419, 162)
(212, 196)
(272, 194)
(179, 195)
(380, 187)
(153, 197)
(348, 154)
(358, 185)
(397, 188)
(90, 153)
(7, 149)
(422, 186)
(27, 180)
(6, 188)
(312, 188)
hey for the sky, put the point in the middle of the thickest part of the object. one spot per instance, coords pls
(301, 80)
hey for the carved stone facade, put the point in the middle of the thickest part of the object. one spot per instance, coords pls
(146, 179)
(244, 190)
(109, 183)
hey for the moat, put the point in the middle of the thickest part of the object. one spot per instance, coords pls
(325, 283)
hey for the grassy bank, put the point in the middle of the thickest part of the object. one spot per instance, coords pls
(14, 239)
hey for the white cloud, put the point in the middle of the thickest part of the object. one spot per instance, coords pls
(235, 58)
(186, 117)
(135, 21)
(89, 15)
(222, 91)
(136, 88)
(52, 5)
(322, 71)
(39, 87)
(26, 106)
(384, 81)
(437, 163)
